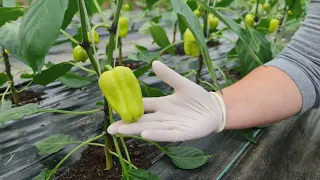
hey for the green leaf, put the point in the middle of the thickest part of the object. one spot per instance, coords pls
(27, 76)
(69, 14)
(192, 4)
(3, 79)
(150, 3)
(9, 3)
(224, 3)
(170, 18)
(295, 7)
(51, 74)
(10, 14)
(9, 39)
(235, 28)
(141, 174)
(159, 35)
(247, 134)
(53, 144)
(187, 157)
(145, 28)
(5, 105)
(148, 91)
(39, 29)
(260, 46)
(141, 70)
(74, 81)
(100, 103)
(43, 175)
(194, 26)
(182, 26)
(17, 112)
(145, 55)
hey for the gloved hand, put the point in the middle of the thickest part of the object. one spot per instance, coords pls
(189, 113)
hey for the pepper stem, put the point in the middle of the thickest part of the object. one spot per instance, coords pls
(108, 67)
(8, 71)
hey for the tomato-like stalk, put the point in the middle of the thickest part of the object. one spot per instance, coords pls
(14, 93)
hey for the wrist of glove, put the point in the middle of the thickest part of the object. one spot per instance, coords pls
(189, 113)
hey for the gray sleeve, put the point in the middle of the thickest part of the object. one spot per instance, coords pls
(301, 58)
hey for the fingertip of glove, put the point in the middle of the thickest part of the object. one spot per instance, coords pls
(111, 130)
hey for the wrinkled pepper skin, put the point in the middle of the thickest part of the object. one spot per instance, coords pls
(213, 21)
(250, 20)
(122, 90)
(96, 37)
(191, 47)
(123, 27)
(273, 25)
(80, 54)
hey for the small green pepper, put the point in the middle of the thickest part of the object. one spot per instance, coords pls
(213, 21)
(122, 91)
(191, 47)
(273, 25)
(123, 27)
(80, 54)
(126, 7)
(95, 35)
(250, 19)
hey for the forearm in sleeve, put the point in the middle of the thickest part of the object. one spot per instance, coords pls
(301, 58)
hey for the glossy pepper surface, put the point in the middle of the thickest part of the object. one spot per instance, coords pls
(126, 7)
(6, 51)
(123, 27)
(273, 25)
(122, 90)
(191, 47)
(80, 54)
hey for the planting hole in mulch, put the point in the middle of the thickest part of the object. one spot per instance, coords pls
(91, 165)
(28, 96)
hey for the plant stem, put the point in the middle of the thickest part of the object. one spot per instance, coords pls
(126, 151)
(256, 18)
(24, 88)
(282, 23)
(91, 144)
(5, 92)
(175, 31)
(146, 140)
(67, 112)
(71, 152)
(108, 144)
(69, 36)
(101, 14)
(83, 68)
(115, 154)
(85, 44)
(115, 142)
(100, 25)
(113, 31)
(200, 64)
(14, 93)
(120, 53)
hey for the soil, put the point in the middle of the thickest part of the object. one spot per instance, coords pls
(130, 64)
(27, 96)
(91, 165)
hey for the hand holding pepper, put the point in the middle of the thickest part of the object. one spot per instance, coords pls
(190, 113)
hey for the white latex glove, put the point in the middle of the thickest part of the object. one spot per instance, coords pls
(190, 113)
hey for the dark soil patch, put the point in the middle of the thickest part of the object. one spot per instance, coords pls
(27, 96)
(91, 165)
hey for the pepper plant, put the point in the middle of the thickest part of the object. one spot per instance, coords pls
(257, 27)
